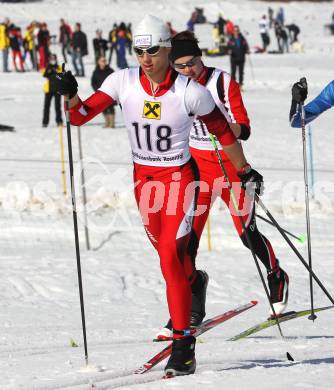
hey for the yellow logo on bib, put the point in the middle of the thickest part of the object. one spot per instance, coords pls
(152, 110)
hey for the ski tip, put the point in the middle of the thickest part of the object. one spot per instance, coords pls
(254, 302)
(290, 358)
(162, 338)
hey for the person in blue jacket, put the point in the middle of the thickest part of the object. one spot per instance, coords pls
(314, 108)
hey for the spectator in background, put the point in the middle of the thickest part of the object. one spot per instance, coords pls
(221, 24)
(121, 44)
(35, 30)
(43, 39)
(29, 47)
(15, 42)
(282, 38)
(129, 37)
(100, 45)
(50, 91)
(4, 44)
(215, 35)
(271, 17)
(331, 26)
(200, 17)
(65, 37)
(280, 16)
(112, 41)
(229, 28)
(101, 72)
(191, 22)
(264, 31)
(294, 31)
(79, 50)
(238, 48)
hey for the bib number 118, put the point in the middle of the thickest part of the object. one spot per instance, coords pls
(161, 138)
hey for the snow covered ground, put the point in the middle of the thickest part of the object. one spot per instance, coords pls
(123, 287)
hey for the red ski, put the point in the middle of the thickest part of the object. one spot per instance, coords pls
(204, 327)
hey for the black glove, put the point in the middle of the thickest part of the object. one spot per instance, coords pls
(299, 91)
(65, 83)
(251, 180)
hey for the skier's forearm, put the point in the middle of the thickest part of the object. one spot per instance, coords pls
(236, 128)
(83, 111)
(236, 155)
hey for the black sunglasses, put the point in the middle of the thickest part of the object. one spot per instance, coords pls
(151, 51)
(188, 64)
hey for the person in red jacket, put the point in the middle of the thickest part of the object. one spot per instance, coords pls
(186, 59)
(65, 37)
(43, 39)
(15, 41)
(159, 106)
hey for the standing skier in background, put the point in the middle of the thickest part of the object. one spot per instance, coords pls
(159, 106)
(79, 50)
(238, 48)
(100, 73)
(186, 59)
(50, 91)
(314, 108)
(65, 37)
(264, 32)
(4, 43)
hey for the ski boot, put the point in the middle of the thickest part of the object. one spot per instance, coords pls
(182, 360)
(278, 282)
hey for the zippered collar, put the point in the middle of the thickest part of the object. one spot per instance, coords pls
(163, 87)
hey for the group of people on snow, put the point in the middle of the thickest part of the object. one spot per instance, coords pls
(286, 34)
(30, 50)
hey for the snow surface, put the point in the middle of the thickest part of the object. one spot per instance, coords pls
(123, 286)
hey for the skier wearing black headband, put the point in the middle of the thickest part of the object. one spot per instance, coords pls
(186, 58)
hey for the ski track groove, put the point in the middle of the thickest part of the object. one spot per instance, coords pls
(33, 351)
(103, 381)
(121, 379)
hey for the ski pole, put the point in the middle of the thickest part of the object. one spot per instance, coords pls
(75, 224)
(251, 66)
(83, 187)
(236, 206)
(287, 239)
(312, 316)
(301, 238)
(310, 150)
(62, 160)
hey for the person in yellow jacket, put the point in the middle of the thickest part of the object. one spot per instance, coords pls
(29, 46)
(112, 41)
(50, 91)
(4, 43)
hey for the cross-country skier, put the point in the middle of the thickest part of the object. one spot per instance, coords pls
(186, 59)
(314, 108)
(159, 106)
